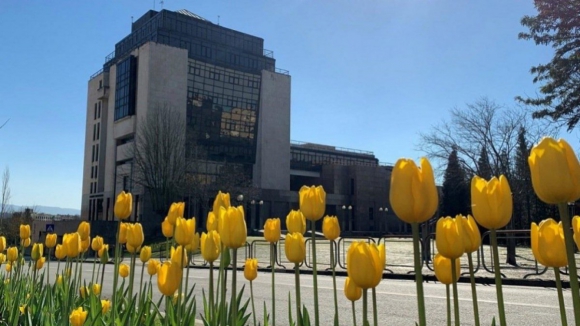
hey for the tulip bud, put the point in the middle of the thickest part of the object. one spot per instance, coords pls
(24, 231)
(152, 266)
(233, 229)
(413, 194)
(295, 248)
(85, 244)
(548, 245)
(72, 243)
(184, 231)
(221, 200)
(331, 228)
(9, 267)
(212, 221)
(12, 254)
(105, 306)
(312, 202)
(40, 263)
(210, 246)
(194, 244)
(50, 240)
(251, 269)
(2, 258)
(179, 256)
(78, 317)
(60, 252)
(124, 270)
(491, 202)
(104, 254)
(272, 230)
(96, 289)
(167, 228)
(555, 171)
(97, 243)
(123, 233)
(84, 230)
(135, 235)
(449, 237)
(145, 254)
(442, 266)
(26, 242)
(365, 264)
(123, 205)
(2, 243)
(59, 280)
(295, 222)
(471, 235)
(175, 211)
(37, 251)
(351, 291)
(168, 278)
(83, 292)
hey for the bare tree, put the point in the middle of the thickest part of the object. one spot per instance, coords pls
(5, 193)
(481, 125)
(5, 122)
(159, 156)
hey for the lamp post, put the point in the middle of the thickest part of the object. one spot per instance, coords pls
(347, 219)
(256, 205)
(386, 222)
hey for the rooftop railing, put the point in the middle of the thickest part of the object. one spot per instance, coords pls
(329, 148)
(269, 53)
(282, 71)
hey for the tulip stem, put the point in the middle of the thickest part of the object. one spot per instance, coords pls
(297, 280)
(222, 284)
(314, 272)
(570, 249)
(455, 295)
(272, 265)
(93, 275)
(48, 267)
(233, 303)
(180, 293)
(253, 307)
(211, 303)
(103, 276)
(375, 313)
(332, 263)
(448, 294)
(560, 297)
(353, 314)
(497, 271)
(473, 289)
(365, 307)
(115, 275)
(418, 274)
(141, 280)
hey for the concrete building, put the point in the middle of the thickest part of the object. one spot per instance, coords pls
(236, 106)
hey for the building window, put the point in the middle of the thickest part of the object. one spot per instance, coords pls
(126, 88)
(95, 118)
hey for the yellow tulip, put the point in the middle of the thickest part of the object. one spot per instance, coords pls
(210, 245)
(212, 221)
(176, 298)
(24, 231)
(2, 243)
(364, 264)
(576, 228)
(85, 244)
(296, 222)
(194, 244)
(105, 306)
(472, 237)
(491, 202)
(221, 200)
(84, 230)
(251, 269)
(22, 309)
(413, 194)
(548, 244)
(123, 233)
(351, 291)
(179, 256)
(104, 254)
(152, 266)
(555, 171)
(442, 266)
(37, 251)
(184, 230)
(97, 243)
(124, 270)
(50, 240)
(72, 244)
(123, 205)
(2, 258)
(167, 228)
(312, 202)
(233, 230)
(331, 227)
(449, 237)
(9, 267)
(96, 289)
(175, 211)
(272, 230)
(40, 263)
(135, 235)
(145, 254)
(168, 278)
(83, 291)
(294, 247)
(78, 317)
(26, 242)
(59, 280)
(60, 251)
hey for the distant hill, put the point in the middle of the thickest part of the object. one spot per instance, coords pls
(47, 210)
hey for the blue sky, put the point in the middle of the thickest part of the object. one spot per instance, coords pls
(366, 74)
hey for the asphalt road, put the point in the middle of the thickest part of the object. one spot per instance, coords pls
(396, 299)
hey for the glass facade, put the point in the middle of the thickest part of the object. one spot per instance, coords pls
(125, 89)
(312, 157)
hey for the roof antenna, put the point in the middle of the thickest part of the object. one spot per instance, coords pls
(131, 19)
(161, 2)
(218, 20)
(153, 4)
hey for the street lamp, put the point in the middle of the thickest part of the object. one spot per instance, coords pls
(255, 206)
(386, 223)
(347, 221)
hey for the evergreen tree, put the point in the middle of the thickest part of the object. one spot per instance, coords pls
(455, 197)
(523, 193)
(483, 165)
